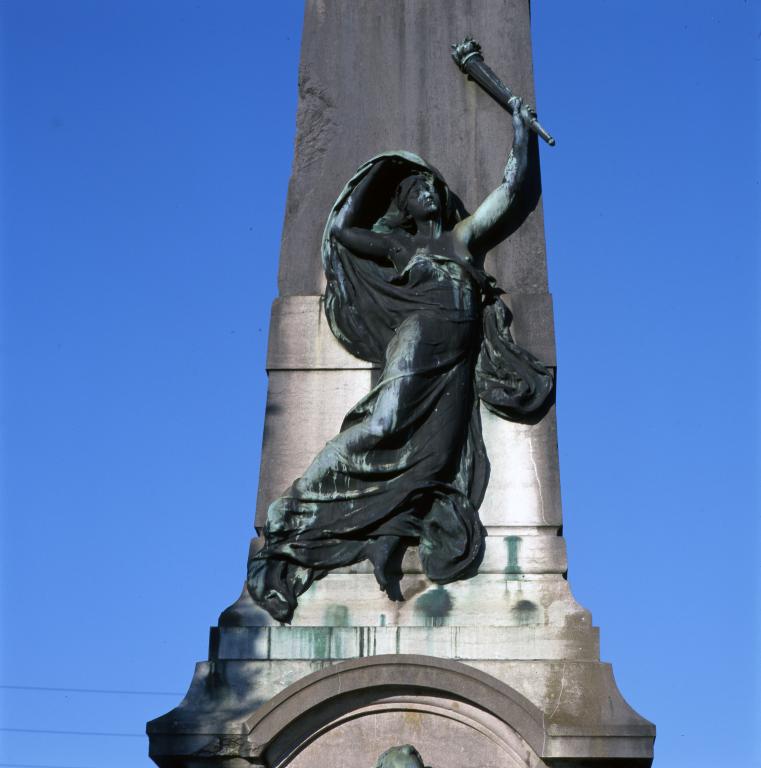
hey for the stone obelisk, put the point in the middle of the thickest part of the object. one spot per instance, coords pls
(501, 669)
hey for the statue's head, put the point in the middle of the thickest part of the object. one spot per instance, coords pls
(405, 192)
(418, 197)
(405, 756)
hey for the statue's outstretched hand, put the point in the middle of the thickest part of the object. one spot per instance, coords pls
(522, 113)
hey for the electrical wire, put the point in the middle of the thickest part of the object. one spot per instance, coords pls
(88, 690)
(35, 765)
(72, 733)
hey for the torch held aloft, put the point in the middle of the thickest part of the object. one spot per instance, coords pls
(470, 60)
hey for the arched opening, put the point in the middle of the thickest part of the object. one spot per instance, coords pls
(347, 714)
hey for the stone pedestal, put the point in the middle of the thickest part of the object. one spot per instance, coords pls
(502, 669)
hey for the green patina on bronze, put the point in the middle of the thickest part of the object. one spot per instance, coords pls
(404, 756)
(406, 290)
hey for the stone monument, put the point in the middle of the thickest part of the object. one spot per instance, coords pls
(410, 439)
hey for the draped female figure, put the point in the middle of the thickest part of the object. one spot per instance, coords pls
(406, 289)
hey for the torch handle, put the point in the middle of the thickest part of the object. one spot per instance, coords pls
(468, 57)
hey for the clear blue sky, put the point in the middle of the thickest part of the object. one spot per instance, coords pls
(146, 149)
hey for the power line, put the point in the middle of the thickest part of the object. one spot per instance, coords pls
(88, 690)
(71, 733)
(35, 765)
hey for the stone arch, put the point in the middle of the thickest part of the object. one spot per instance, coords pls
(405, 695)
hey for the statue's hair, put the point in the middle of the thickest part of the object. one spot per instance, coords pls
(389, 758)
(398, 216)
(406, 185)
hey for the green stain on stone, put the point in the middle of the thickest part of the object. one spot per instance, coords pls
(321, 642)
(435, 605)
(525, 611)
(513, 546)
(337, 616)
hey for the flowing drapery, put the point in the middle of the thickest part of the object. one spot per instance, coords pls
(409, 463)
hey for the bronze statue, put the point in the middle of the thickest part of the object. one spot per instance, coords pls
(405, 756)
(406, 290)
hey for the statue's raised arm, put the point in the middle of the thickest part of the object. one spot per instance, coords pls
(349, 228)
(493, 210)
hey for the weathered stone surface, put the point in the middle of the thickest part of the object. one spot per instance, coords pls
(304, 410)
(447, 733)
(588, 688)
(563, 709)
(300, 338)
(533, 325)
(376, 76)
(487, 599)
(339, 643)
(524, 485)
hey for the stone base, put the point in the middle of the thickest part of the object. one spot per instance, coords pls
(502, 669)
(517, 714)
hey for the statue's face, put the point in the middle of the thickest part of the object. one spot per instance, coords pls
(423, 200)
